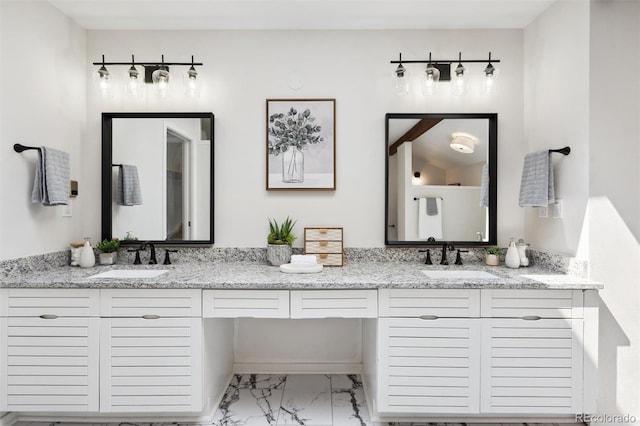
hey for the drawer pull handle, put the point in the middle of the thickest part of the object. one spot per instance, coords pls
(323, 255)
(151, 317)
(324, 243)
(531, 318)
(429, 317)
(322, 230)
(49, 316)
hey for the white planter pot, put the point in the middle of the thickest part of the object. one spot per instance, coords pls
(108, 258)
(492, 260)
(278, 254)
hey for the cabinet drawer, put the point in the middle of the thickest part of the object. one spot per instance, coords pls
(514, 303)
(49, 364)
(19, 302)
(441, 303)
(328, 259)
(532, 367)
(311, 234)
(334, 303)
(245, 303)
(429, 366)
(151, 365)
(150, 302)
(323, 247)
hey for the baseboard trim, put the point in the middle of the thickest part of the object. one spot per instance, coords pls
(311, 368)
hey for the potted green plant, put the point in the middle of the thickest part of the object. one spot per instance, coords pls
(108, 251)
(279, 241)
(492, 256)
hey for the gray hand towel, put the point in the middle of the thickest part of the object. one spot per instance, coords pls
(432, 206)
(484, 187)
(128, 190)
(51, 185)
(536, 187)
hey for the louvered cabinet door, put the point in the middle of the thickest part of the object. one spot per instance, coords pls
(429, 366)
(532, 366)
(50, 364)
(151, 365)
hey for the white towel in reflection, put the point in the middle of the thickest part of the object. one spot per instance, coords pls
(303, 259)
(429, 225)
(536, 187)
(128, 188)
(484, 187)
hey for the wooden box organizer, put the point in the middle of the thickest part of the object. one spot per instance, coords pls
(325, 243)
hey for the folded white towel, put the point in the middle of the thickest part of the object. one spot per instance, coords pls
(128, 191)
(51, 185)
(303, 259)
(536, 187)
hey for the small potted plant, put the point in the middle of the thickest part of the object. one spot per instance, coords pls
(492, 256)
(279, 241)
(108, 251)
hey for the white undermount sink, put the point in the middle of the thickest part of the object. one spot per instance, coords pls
(459, 274)
(131, 273)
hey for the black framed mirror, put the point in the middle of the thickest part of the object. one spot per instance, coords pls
(157, 177)
(441, 179)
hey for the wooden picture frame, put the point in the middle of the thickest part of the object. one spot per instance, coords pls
(301, 144)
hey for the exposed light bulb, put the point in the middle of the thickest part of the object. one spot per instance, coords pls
(459, 82)
(490, 74)
(401, 81)
(133, 86)
(430, 80)
(104, 80)
(191, 82)
(160, 78)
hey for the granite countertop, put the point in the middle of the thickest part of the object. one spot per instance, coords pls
(258, 275)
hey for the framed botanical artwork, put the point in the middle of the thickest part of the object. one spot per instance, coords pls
(301, 144)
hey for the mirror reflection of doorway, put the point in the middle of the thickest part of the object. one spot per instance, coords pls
(178, 192)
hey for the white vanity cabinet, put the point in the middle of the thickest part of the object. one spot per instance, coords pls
(532, 351)
(428, 350)
(504, 352)
(49, 355)
(151, 351)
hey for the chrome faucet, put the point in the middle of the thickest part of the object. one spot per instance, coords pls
(152, 255)
(443, 258)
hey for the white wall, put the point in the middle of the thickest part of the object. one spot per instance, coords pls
(42, 102)
(556, 114)
(243, 68)
(598, 115)
(614, 204)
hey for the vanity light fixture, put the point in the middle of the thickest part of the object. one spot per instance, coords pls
(133, 86)
(431, 78)
(459, 82)
(489, 84)
(463, 142)
(156, 73)
(191, 82)
(439, 70)
(104, 78)
(401, 79)
(160, 78)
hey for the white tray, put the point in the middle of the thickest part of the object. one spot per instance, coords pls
(288, 268)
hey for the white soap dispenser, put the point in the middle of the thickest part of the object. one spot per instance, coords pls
(522, 252)
(512, 259)
(87, 256)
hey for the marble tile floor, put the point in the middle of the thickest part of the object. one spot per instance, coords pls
(287, 400)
